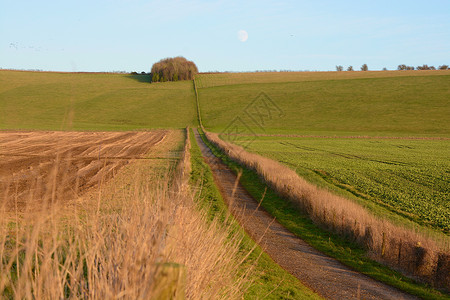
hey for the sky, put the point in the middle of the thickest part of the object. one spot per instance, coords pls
(131, 35)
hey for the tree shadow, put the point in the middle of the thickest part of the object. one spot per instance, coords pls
(146, 78)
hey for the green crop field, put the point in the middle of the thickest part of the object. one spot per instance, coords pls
(89, 101)
(392, 105)
(408, 177)
(312, 113)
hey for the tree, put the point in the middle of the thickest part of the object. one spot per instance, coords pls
(443, 67)
(173, 69)
(364, 67)
(425, 67)
(350, 68)
(404, 67)
(384, 69)
(339, 68)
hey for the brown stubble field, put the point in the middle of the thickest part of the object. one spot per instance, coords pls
(59, 166)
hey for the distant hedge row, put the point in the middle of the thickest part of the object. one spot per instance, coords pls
(423, 67)
(173, 69)
(400, 68)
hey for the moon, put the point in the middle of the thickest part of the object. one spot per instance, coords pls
(242, 35)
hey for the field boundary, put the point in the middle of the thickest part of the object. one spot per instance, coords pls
(199, 116)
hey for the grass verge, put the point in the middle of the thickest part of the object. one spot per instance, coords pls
(268, 277)
(331, 244)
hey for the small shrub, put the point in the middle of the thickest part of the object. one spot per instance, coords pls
(442, 270)
(419, 256)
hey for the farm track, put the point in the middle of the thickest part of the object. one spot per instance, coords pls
(59, 166)
(325, 275)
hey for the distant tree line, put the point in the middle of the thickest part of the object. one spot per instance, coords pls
(173, 69)
(364, 67)
(403, 67)
(423, 67)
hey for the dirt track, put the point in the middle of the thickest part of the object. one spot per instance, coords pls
(325, 275)
(58, 165)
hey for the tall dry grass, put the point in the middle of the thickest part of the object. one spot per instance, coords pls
(399, 247)
(119, 241)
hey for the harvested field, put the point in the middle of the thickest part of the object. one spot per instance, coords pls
(48, 165)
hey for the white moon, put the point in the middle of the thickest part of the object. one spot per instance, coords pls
(242, 35)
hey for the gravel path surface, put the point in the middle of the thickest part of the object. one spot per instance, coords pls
(325, 275)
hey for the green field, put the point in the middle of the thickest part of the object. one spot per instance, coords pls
(408, 177)
(393, 105)
(89, 101)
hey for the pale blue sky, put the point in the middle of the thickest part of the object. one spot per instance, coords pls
(130, 35)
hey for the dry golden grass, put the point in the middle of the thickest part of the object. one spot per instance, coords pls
(116, 241)
(401, 248)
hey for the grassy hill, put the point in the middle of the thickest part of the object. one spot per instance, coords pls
(89, 101)
(343, 103)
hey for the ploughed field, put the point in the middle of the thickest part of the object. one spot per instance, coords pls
(57, 166)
